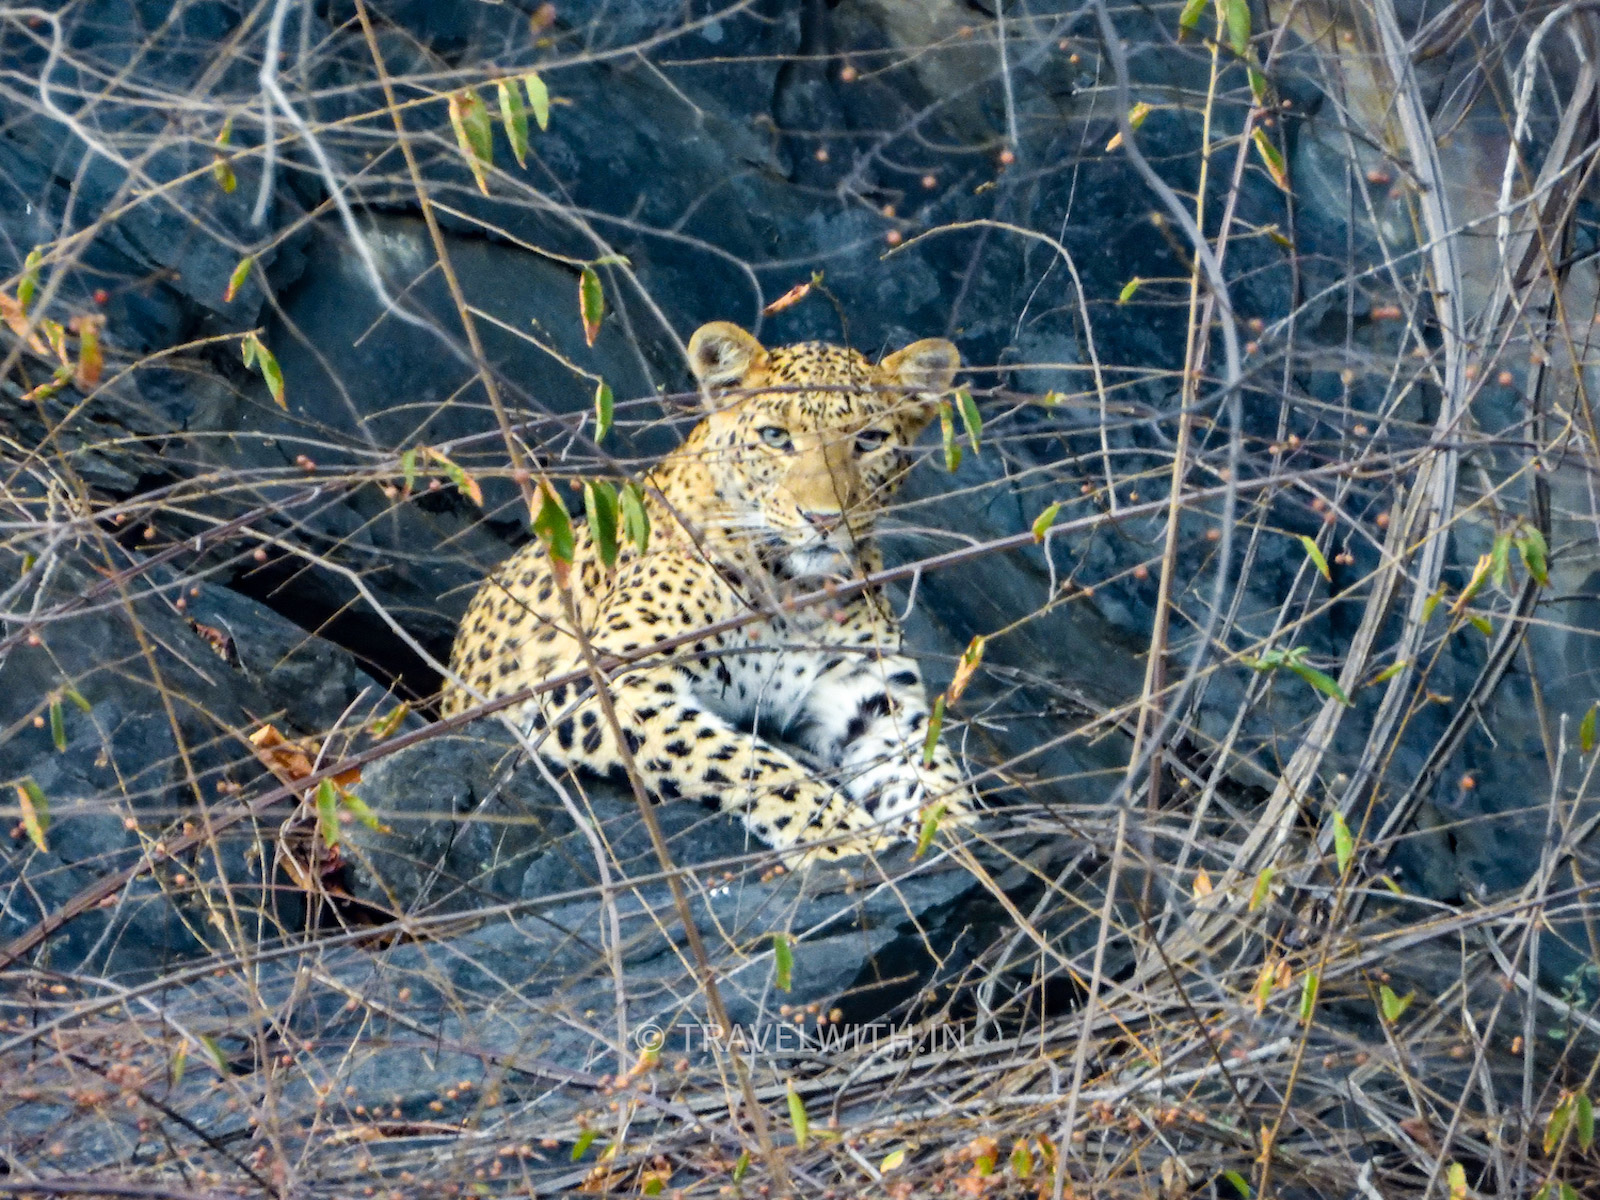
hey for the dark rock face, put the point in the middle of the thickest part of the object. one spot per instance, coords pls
(725, 175)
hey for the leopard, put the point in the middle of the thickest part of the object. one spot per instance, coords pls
(810, 722)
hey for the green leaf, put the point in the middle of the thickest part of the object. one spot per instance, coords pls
(1568, 1192)
(1129, 289)
(1237, 13)
(1309, 987)
(1391, 670)
(1431, 603)
(1481, 623)
(930, 826)
(1263, 888)
(1584, 1122)
(585, 1140)
(222, 172)
(58, 724)
(1500, 560)
(180, 1060)
(236, 280)
(29, 283)
(653, 1186)
(1042, 523)
(740, 1166)
(328, 812)
(1393, 1006)
(213, 1053)
(1239, 1182)
(1189, 18)
(469, 117)
(360, 809)
(782, 961)
(604, 409)
(514, 116)
(1314, 553)
(970, 417)
(77, 698)
(554, 528)
(1535, 554)
(1271, 158)
(798, 1118)
(248, 348)
(1555, 1129)
(457, 474)
(257, 355)
(35, 812)
(600, 506)
(892, 1161)
(947, 430)
(635, 519)
(1021, 1160)
(538, 99)
(1475, 582)
(1258, 85)
(935, 723)
(1455, 1176)
(408, 468)
(1344, 845)
(591, 304)
(1323, 682)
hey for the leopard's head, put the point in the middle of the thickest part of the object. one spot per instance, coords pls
(806, 443)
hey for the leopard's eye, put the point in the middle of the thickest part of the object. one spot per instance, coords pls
(869, 440)
(776, 436)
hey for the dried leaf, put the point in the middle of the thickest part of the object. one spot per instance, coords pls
(1480, 573)
(790, 298)
(465, 483)
(35, 813)
(91, 360)
(966, 666)
(1202, 884)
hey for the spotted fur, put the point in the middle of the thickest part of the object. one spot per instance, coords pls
(775, 491)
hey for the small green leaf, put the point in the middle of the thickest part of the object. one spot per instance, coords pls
(514, 116)
(390, 721)
(538, 99)
(970, 417)
(554, 528)
(1455, 1176)
(236, 280)
(635, 519)
(1021, 1160)
(1258, 85)
(1309, 987)
(180, 1060)
(1475, 581)
(600, 507)
(1568, 1192)
(1042, 523)
(1391, 671)
(58, 724)
(1129, 290)
(1263, 888)
(1321, 680)
(35, 812)
(947, 430)
(1237, 13)
(1393, 1006)
(225, 134)
(935, 723)
(653, 1186)
(328, 812)
(1481, 623)
(740, 1166)
(248, 348)
(1271, 158)
(408, 468)
(798, 1118)
(361, 810)
(456, 474)
(222, 172)
(930, 826)
(469, 117)
(1239, 1182)
(892, 1161)
(1189, 18)
(213, 1053)
(1500, 560)
(585, 1140)
(1555, 1129)
(1535, 554)
(1314, 553)
(591, 304)
(782, 961)
(77, 698)
(604, 409)
(29, 283)
(257, 355)
(1344, 845)
(1431, 603)
(1584, 1122)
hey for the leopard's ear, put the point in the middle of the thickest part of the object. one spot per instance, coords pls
(925, 369)
(722, 355)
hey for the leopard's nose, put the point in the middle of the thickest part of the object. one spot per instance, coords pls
(826, 522)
